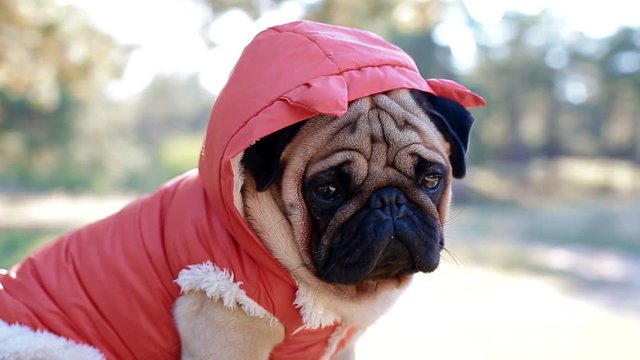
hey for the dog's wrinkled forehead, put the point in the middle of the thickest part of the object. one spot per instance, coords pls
(395, 129)
(382, 130)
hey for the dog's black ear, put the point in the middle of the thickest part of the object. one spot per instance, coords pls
(453, 121)
(262, 158)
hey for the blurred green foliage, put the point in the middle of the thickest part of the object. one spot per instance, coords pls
(179, 154)
(595, 225)
(50, 51)
(52, 61)
(552, 94)
(15, 243)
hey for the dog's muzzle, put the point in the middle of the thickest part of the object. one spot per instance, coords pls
(389, 237)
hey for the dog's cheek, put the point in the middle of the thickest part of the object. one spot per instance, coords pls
(444, 204)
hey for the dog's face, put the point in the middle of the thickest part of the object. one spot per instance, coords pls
(364, 196)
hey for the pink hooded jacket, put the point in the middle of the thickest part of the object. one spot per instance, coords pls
(111, 284)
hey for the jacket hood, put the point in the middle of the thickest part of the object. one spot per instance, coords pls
(290, 73)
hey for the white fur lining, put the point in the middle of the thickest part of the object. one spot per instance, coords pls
(18, 342)
(314, 315)
(218, 284)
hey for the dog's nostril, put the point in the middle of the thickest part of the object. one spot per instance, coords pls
(387, 196)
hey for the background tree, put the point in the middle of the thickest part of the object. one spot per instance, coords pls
(51, 62)
(619, 76)
(553, 93)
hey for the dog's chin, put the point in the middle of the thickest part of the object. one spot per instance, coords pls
(371, 286)
(382, 278)
(379, 278)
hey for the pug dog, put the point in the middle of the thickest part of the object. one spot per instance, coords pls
(322, 187)
(352, 207)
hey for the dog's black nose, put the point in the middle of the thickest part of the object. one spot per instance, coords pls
(387, 196)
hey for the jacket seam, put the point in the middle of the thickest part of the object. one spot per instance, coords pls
(341, 73)
(324, 52)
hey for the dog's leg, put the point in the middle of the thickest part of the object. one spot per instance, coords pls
(210, 330)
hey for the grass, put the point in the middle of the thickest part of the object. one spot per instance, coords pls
(595, 225)
(592, 247)
(15, 244)
(603, 226)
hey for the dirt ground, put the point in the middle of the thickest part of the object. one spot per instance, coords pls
(462, 311)
(477, 313)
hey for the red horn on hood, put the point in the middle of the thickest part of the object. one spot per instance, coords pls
(456, 92)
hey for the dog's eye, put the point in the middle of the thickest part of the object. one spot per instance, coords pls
(431, 181)
(327, 191)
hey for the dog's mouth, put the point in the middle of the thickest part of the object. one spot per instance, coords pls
(392, 271)
(379, 252)
(395, 260)
(391, 236)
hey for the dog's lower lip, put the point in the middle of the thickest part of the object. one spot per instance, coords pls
(389, 272)
(371, 285)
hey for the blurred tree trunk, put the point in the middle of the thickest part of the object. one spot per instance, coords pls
(609, 104)
(635, 142)
(514, 149)
(552, 147)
